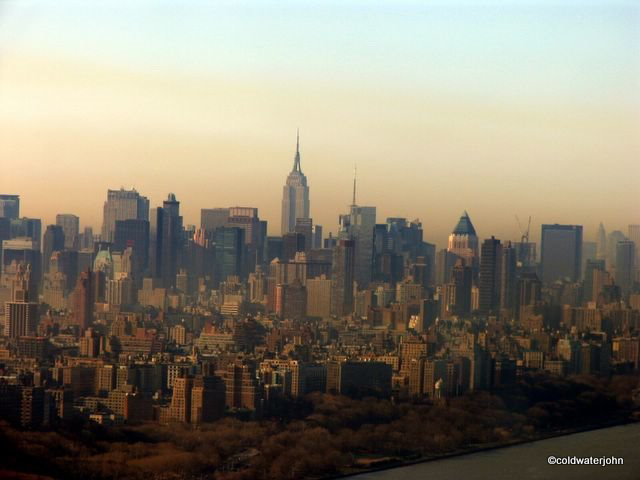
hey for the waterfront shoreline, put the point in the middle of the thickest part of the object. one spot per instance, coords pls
(486, 448)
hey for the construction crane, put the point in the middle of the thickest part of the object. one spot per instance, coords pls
(525, 233)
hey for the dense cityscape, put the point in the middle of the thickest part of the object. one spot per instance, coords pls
(154, 321)
(437, 276)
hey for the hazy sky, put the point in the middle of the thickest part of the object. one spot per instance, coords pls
(521, 107)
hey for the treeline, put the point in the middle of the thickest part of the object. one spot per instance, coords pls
(320, 436)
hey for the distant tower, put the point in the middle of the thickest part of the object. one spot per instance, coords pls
(561, 253)
(83, 300)
(463, 242)
(21, 315)
(461, 277)
(601, 243)
(171, 240)
(508, 277)
(625, 263)
(135, 234)
(122, 205)
(71, 226)
(490, 270)
(342, 276)
(53, 241)
(359, 225)
(634, 235)
(295, 195)
(612, 247)
(10, 206)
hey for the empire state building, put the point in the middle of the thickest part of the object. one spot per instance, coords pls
(295, 195)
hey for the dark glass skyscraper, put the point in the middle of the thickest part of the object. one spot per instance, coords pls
(462, 277)
(9, 206)
(171, 240)
(508, 283)
(52, 241)
(625, 263)
(229, 253)
(135, 234)
(165, 241)
(490, 269)
(342, 276)
(561, 253)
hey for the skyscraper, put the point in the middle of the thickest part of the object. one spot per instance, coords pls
(633, 234)
(445, 260)
(295, 195)
(319, 296)
(508, 277)
(463, 242)
(10, 206)
(625, 262)
(86, 238)
(359, 225)
(213, 218)
(342, 276)
(135, 234)
(462, 278)
(83, 300)
(591, 289)
(248, 220)
(490, 270)
(165, 240)
(291, 244)
(317, 236)
(27, 227)
(53, 241)
(561, 252)
(589, 252)
(362, 223)
(612, 247)
(171, 240)
(122, 205)
(229, 253)
(71, 226)
(305, 227)
(23, 250)
(528, 293)
(21, 314)
(181, 400)
(601, 243)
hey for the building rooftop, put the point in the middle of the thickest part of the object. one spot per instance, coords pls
(464, 226)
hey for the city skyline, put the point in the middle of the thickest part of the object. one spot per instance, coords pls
(304, 239)
(535, 231)
(429, 102)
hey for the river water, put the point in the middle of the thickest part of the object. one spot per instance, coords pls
(529, 461)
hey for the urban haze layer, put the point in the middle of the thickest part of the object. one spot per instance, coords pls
(152, 327)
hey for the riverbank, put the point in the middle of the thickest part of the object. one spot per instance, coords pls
(400, 463)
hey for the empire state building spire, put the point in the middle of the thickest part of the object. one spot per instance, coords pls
(296, 161)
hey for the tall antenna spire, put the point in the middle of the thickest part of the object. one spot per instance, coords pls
(355, 174)
(296, 161)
